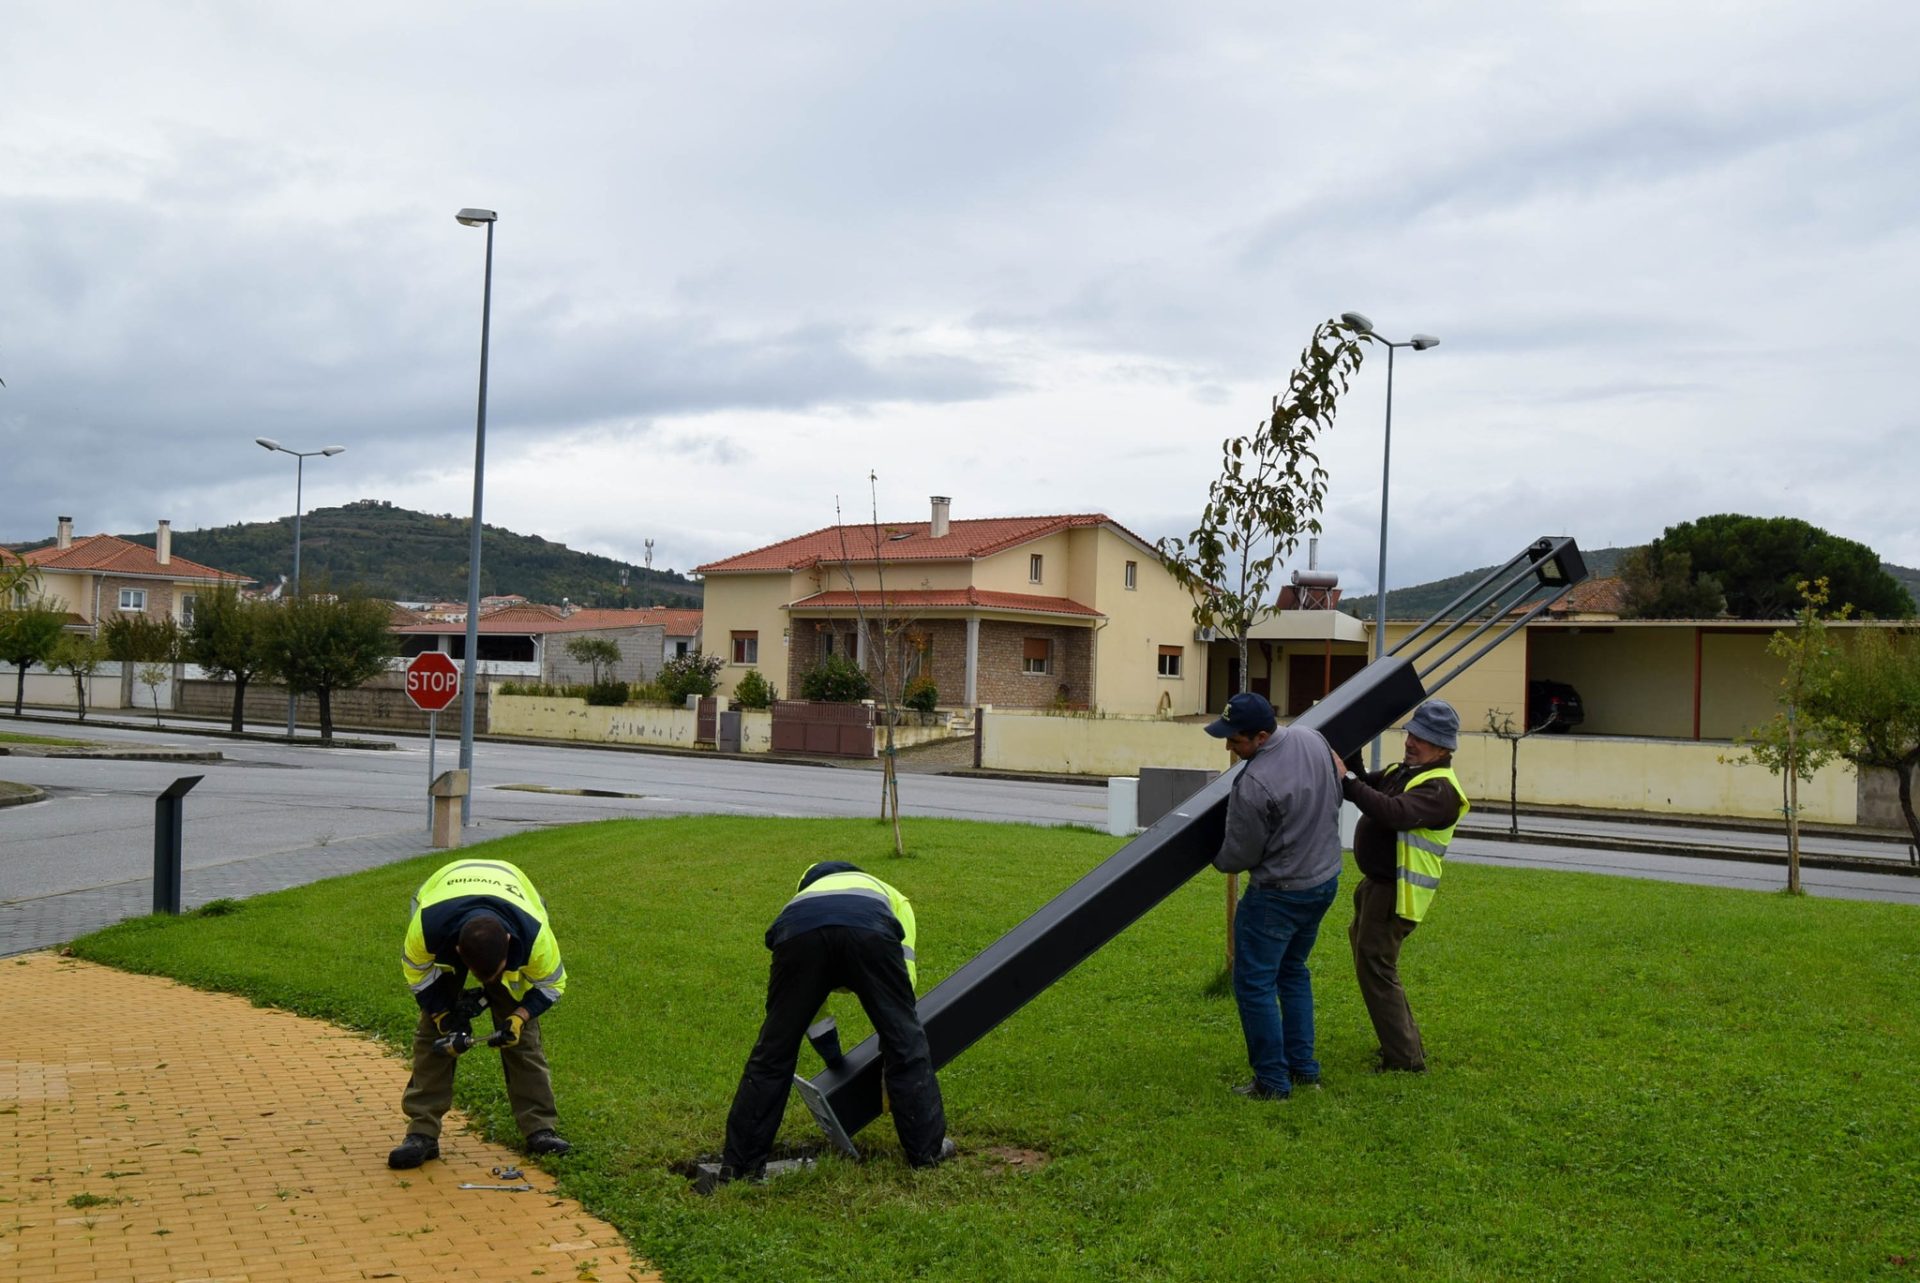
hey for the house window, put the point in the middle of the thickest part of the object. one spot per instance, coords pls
(746, 648)
(1133, 575)
(1036, 655)
(679, 649)
(188, 604)
(1170, 660)
(826, 644)
(133, 599)
(1033, 569)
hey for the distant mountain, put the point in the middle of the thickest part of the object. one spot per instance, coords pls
(415, 556)
(1422, 600)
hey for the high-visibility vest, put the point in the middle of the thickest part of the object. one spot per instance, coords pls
(506, 891)
(865, 884)
(1418, 852)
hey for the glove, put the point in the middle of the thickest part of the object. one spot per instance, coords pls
(455, 1044)
(472, 1002)
(445, 1022)
(508, 1035)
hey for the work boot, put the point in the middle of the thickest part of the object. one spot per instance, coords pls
(546, 1141)
(1257, 1090)
(413, 1150)
(1309, 1081)
(947, 1152)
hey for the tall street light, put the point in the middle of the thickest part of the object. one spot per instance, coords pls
(475, 218)
(300, 458)
(1419, 343)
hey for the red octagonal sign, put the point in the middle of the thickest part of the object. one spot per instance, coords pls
(433, 681)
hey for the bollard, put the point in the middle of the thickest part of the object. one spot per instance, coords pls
(168, 813)
(447, 791)
(1123, 805)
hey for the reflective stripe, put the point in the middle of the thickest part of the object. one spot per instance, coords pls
(1418, 879)
(557, 974)
(1416, 838)
(907, 953)
(423, 985)
(881, 896)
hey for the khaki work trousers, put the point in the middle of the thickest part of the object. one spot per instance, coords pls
(1377, 933)
(529, 1087)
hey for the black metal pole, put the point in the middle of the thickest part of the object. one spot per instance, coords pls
(169, 814)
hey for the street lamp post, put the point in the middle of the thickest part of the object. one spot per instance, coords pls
(1419, 343)
(475, 218)
(300, 458)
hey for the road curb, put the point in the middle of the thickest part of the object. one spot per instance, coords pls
(32, 794)
(1634, 846)
(173, 728)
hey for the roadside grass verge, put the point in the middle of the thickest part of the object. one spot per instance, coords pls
(1630, 1080)
(49, 741)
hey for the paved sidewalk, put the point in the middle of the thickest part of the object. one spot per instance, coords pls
(54, 919)
(149, 1131)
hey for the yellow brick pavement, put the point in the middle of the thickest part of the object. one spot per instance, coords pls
(149, 1131)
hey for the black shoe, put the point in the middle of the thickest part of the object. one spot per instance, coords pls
(1385, 1068)
(545, 1141)
(946, 1153)
(413, 1150)
(1309, 1081)
(1257, 1090)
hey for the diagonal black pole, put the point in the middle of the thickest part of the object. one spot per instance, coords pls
(1070, 928)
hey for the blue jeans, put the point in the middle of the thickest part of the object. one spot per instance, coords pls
(1273, 932)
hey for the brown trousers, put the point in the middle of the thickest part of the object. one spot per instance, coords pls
(1377, 933)
(529, 1086)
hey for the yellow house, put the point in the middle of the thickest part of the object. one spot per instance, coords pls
(1017, 612)
(97, 577)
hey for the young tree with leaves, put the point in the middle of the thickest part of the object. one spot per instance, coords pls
(1267, 497)
(81, 656)
(1799, 739)
(599, 654)
(317, 644)
(227, 641)
(29, 636)
(1872, 699)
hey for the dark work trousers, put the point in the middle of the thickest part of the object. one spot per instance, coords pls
(429, 1092)
(1377, 933)
(805, 970)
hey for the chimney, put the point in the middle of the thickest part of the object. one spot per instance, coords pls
(940, 505)
(63, 533)
(163, 543)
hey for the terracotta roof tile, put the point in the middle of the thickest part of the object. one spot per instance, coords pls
(531, 619)
(113, 555)
(907, 541)
(948, 598)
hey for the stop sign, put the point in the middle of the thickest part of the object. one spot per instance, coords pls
(433, 682)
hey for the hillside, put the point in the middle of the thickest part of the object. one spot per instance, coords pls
(415, 556)
(1422, 600)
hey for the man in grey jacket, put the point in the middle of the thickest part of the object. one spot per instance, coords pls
(1283, 825)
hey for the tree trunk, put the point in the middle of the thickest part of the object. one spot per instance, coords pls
(1793, 812)
(19, 690)
(239, 703)
(1513, 789)
(326, 714)
(80, 694)
(1904, 773)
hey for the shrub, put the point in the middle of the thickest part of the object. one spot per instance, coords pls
(607, 693)
(688, 674)
(921, 695)
(837, 680)
(648, 693)
(755, 691)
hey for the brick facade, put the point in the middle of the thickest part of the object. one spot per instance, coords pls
(159, 597)
(1002, 682)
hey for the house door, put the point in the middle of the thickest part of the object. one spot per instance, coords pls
(1307, 678)
(1261, 686)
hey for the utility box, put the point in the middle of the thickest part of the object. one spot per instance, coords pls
(447, 791)
(1123, 806)
(1162, 788)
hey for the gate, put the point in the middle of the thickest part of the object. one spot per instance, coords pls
(835, 730)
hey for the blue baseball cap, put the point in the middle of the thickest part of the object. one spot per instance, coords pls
(1246, 714)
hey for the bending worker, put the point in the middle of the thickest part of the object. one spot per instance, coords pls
(1407, 816)
(1283, 824)
(843, 929)
(481, 918)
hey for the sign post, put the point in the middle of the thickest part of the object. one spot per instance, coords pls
(433, 682)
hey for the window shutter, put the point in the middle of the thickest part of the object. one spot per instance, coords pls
(1034, 648)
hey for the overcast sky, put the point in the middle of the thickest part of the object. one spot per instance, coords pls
(1039, 257)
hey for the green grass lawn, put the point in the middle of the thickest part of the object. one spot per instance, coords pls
(11, 737)
(1630, 1080)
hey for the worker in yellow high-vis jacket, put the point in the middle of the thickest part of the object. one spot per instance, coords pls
(479, 918)
(1407, 816)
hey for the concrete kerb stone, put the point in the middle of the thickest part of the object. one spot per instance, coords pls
(173, 727)
(12, 794)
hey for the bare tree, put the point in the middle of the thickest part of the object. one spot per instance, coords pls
(889, 694)
(1500, 722)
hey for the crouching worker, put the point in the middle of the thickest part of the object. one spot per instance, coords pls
(484, 918)
(845, 929)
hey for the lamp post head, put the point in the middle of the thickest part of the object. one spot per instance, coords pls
(1421, 342)
(333, 450)
(266, 443)
(475, 217)
(1356, 321)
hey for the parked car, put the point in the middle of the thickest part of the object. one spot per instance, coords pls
(1554, 702)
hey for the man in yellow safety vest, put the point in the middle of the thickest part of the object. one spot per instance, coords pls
(1407, 816)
